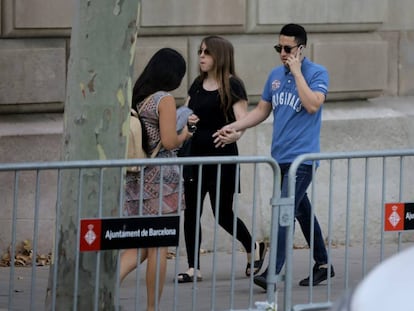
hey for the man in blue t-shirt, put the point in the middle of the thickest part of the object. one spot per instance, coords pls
(295, 92)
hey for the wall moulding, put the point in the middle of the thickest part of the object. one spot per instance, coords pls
(33, 71)
(317, 15)
(37, 18)
(160, 17)
(161, 13)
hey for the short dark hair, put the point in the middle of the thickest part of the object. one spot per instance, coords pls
(295, 30)
(164, 72)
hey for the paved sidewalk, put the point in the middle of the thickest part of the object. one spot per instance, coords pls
(225, 297)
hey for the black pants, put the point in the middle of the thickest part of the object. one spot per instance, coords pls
(226, 215)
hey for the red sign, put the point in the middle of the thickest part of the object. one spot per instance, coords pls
(394, 216)
(399, 216)
(90, 235)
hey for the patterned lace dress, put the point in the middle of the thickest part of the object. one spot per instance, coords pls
(151, 188)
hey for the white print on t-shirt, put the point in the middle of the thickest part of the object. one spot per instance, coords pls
(275, 85)
(287, 99)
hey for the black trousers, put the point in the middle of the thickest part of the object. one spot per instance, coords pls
(226, 215)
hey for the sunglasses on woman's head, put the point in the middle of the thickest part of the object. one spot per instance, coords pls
(286, 48)
(206, 52)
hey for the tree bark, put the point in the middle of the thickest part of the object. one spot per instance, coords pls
(96, 120)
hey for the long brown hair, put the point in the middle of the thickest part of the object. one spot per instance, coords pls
(222, 52)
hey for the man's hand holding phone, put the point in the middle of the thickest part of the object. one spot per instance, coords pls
(294, 60)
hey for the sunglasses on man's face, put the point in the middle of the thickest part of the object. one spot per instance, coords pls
(205, 51)
(286, 48)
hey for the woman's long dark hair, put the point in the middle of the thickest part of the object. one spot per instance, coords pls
(164, 72)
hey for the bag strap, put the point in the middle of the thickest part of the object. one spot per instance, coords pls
(136, 114)
(146, 101)
(156, 150)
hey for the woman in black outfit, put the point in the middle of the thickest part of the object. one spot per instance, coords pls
(217, 97)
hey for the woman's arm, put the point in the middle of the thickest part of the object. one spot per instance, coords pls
(168, 116)
(230, 135)
(227, 135)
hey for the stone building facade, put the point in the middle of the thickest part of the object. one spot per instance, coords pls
(367, 46)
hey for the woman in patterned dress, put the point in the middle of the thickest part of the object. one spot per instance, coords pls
(163, 73)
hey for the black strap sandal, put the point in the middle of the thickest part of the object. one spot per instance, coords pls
(260, 252)
(186, 277)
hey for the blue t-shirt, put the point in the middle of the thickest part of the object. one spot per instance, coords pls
(295, 131)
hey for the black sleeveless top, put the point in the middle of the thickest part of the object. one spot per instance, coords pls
(206, 105)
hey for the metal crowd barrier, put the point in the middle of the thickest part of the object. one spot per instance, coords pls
(350, 194)
(34, 287)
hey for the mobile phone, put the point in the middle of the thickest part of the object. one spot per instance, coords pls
(300, 50)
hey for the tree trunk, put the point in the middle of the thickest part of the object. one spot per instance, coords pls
(96, 115)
